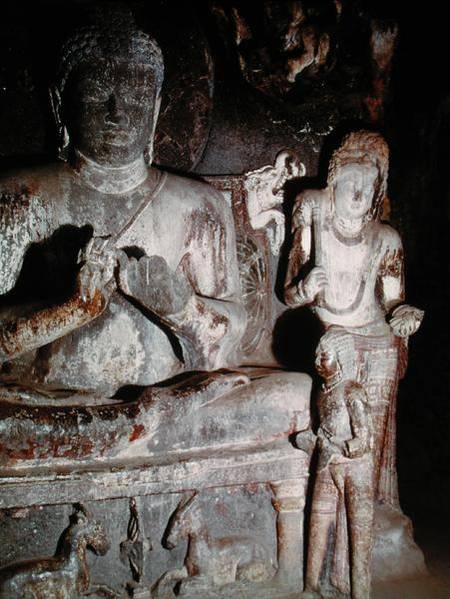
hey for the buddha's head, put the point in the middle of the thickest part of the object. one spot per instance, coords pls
(107, 97)
(357, 176)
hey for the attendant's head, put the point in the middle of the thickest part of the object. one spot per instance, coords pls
(108, 91)
(357, 176)
(336, 359)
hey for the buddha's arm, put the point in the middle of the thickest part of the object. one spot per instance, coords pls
(209, 331)
(208, 328)
(26, 333)
(213, 321)
(27, 328)
(200, 301)
(22, 223)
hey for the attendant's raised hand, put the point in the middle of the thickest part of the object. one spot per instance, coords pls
(313, 283)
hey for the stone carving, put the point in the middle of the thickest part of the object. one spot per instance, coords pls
(187, 104)
(66, 575)
(98, 339)
(115, 274)
(265, 195)
(307, 45)
(343, 499)
(211, 562)
(119, 284)
(383, 40)
(291, 40)
(253, 276)
(256, 265)
(348, 266)
(289, 503)
(132, 552)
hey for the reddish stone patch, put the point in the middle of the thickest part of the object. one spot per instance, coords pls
(138, 430)
(222, 509)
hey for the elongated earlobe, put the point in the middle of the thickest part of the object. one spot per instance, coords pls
(149, 150)
(61, 130)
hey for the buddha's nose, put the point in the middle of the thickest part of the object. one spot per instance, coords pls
(115, 114)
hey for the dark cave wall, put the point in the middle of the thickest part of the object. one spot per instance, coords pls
(419, 186)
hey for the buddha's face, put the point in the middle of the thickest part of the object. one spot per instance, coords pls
(354, 190)
(110, 108)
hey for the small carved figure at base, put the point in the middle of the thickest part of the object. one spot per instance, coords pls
(64, 576)
(132, 552)
(210, 562)
(344, 488)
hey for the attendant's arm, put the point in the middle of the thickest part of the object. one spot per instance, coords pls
(300, 291)
(403, 319)
(391, 278)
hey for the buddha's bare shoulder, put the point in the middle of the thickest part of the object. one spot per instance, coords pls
(26, 187)
(193, 194)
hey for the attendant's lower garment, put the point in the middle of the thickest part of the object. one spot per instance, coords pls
(343, 507)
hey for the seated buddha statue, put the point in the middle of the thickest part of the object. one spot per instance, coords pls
(114, 273)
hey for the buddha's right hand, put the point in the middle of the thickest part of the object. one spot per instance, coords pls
(95, 281)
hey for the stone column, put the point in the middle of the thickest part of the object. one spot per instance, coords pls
(289, 502)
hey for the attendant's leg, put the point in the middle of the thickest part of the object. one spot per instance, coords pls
(323, 516)
(360, 490)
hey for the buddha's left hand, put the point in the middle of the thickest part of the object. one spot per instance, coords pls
(154, 284)
(405, 320)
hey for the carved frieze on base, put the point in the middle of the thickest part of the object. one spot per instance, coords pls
(241, 536)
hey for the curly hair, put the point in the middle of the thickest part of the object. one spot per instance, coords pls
(365, 147)
(111, 32)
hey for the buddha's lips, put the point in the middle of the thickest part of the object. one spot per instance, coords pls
(118, 137)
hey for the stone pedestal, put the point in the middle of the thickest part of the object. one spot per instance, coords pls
(233, 498)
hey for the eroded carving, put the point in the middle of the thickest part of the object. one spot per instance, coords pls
(348, 267)
(132, 552)
(99, 335)
(265, 195)
(211, 562)
(343, 500)
(66, 575)
(152, 283)
(290, 42)
(114, 277)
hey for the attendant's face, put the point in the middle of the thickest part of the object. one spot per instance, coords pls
(326, 364)
(110, 109)
(354, 191)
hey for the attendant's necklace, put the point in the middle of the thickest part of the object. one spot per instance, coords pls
(348, 232)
